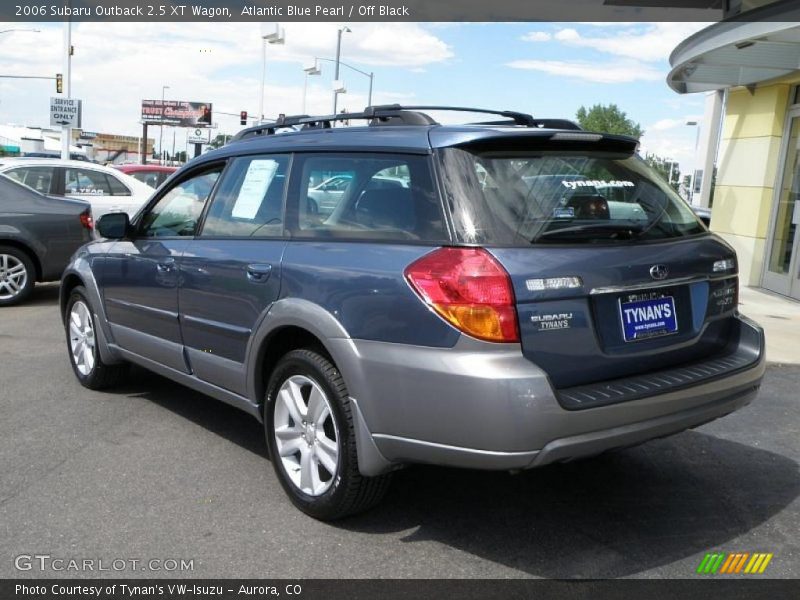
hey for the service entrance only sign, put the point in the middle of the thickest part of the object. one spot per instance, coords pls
(65, 111)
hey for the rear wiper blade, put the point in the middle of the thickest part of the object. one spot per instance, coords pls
(608, 230)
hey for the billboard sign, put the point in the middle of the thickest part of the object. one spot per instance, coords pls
(176, 113)
(65, 111)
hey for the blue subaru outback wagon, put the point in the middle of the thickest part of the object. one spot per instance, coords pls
(495, 295)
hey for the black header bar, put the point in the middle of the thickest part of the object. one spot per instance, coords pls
(346, 10)
(393, 589)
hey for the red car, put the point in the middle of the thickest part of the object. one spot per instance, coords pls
(152, 175)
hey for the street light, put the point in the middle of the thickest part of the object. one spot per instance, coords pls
(66, 131)
(312, 70)
(337, 87)
(694, 158)
(370, 75)
(276, 37)
(161, 128)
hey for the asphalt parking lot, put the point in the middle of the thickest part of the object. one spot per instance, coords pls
(153, 470)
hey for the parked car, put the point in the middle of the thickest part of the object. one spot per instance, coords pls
(326, 196)
(152, 175)
(703, 213)
(38, 235)
(465, 319)
(54, 154)
(106, 189)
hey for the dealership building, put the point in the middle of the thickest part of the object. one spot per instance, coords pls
(100, 147)
(748, 65)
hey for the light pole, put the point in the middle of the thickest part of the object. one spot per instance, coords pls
(66, 131)
(276, 37)
(336, 90)
(370, 75)
(694, 158)
(161, 128)
(312, 70)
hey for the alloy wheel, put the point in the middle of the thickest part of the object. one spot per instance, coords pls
(13, 276)
(306, 436)
(81, 338)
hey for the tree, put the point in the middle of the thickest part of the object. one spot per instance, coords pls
(219, 141)
(667, 169)
(608, 119)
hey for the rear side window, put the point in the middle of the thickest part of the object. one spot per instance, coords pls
(365, 197)
(147, 178)
(85, 182)
(117, 187)
(524, 198)
(37, 178)
(249, 202)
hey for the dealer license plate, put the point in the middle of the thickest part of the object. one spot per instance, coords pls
(648, 318)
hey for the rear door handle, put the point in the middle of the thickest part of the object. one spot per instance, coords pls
(258, 273)
(166, 265)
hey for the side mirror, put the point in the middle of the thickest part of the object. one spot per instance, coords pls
(114, 226)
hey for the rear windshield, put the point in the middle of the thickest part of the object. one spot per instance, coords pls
(526, 198)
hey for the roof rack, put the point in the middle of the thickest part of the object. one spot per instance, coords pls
(396, 114)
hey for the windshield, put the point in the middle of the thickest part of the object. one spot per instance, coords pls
(548, 197)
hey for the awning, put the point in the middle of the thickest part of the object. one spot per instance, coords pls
(738, 53)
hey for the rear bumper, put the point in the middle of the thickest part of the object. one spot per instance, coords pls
(481, 405)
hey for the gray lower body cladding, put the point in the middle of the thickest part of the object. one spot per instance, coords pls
(481, 405)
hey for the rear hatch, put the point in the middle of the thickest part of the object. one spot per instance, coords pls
(614, 276)
(620, 321)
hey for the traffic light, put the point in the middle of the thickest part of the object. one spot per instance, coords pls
(59, 83)
(243, 117)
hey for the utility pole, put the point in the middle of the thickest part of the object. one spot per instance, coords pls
(161, 128)
(66, 131)
(277, 37)
(263, 79)
(339, 33)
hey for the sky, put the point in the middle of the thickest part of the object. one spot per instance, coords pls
(547, 69)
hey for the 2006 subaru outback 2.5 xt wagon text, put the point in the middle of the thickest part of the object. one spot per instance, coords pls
(529, 293)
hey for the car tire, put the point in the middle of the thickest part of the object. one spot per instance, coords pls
(17, 275)
(84, 355)
(314, 450)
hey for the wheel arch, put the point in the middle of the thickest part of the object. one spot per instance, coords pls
(277, 344)
(79, 273)
(68, 283)
(294, 323)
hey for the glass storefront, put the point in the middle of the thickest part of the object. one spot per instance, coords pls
(781, 274)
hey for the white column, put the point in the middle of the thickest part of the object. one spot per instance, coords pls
(712, 125)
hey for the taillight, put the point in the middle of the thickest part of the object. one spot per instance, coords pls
(86, 220)
(469, 289)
